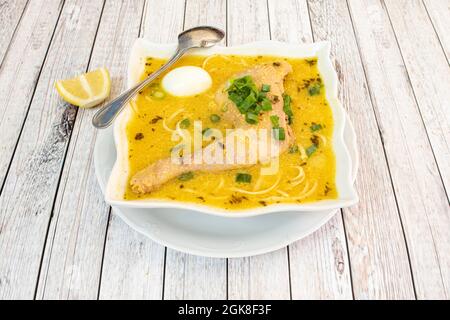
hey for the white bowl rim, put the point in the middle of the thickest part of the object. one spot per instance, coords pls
(143, 48)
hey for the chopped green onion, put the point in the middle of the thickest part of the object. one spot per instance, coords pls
(293, 149)
(311, 149)
(186, 176)
(314, 90)
(214, 118)
(275, 121)
(266, 104)
(185, 123)
(261, 96)
(279, 134)
(243, 178)
(251, 118)
(315, 127)
(206, 132)
(249, 101)
(158, 95)
(287, 107)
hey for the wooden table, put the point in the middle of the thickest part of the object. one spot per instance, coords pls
(58, 239)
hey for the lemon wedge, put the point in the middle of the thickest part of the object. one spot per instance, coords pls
(86, 90)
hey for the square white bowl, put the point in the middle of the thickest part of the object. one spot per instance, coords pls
(142, 49)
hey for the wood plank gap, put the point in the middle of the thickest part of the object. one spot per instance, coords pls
(164, 274)
(348, 254)
(369, 89)
(103, 254)
(435, 29)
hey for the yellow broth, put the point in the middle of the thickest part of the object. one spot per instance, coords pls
(312, 125)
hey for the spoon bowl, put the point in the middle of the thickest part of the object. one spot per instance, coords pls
(200, 37)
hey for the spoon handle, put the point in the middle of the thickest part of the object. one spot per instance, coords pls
(105, 116)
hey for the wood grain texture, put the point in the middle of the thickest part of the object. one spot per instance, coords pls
(20, 71)
(133, 265)
(439, 12)
(259, 277)
(418, 187)
(192, 277)
(27, 198)
(429, 73)
(319, 265)
(264, 276)
(187, 276)
(10, 15)
(378, 255)
(206, 12)
(163, 20)
(74, 249)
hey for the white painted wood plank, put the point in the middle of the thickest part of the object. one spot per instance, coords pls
(10, 15)
(429, 72)
(289, 21)
(259, 277)
(206, 12)
(187, 276)
(420, 194)
(319, 265)
(379, 260)
(28, 195)
(133, 264)
(439, 12)
(192, 277)
(74, 249)
(20, 71)
(264, 276)
(163, 20)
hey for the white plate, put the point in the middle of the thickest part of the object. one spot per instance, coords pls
(120, 173)
(213, 236)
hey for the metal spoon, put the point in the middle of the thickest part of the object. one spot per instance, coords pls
(198, 37)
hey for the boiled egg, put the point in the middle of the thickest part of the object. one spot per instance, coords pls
(186, 81)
